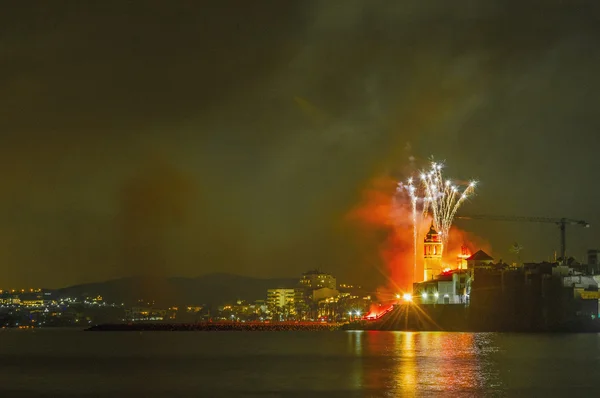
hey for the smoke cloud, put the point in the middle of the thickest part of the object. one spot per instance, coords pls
(386, 224)
(155, 203)
(282, 115)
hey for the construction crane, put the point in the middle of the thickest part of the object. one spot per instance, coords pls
(561, 222)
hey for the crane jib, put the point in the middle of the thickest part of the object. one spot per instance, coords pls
(561, 222)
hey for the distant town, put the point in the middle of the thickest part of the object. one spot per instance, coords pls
(314, 296)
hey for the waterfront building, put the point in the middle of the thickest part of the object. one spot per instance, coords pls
(316, 279)
(32, 300)
(140, 314)
(280, 298)
(479, 260)
(449, 287)
(324, 293)
(315, 290)
(286, 303)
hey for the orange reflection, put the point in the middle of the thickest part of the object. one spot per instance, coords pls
(375, 360)
(355, 348)
(407, 370)
(414, 363)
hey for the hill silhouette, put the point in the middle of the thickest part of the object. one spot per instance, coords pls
(211, 289)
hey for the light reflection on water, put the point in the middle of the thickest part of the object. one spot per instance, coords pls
(298, 364)
(428, 362)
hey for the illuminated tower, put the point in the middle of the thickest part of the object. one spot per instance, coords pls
(433, 245)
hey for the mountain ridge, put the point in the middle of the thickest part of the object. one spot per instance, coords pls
(210, 289)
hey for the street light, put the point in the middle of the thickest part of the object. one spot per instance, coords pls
(398, 296)
(407, 297)
(424, 295)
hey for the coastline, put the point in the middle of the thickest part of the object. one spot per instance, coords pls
(216, 327)
(587, 327)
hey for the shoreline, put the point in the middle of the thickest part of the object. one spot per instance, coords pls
(215, 327)
(316, 327)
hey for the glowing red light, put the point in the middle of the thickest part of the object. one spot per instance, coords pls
(378, 312)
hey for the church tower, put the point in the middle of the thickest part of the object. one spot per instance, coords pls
(433, 254)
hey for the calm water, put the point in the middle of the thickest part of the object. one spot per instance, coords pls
(57, 363)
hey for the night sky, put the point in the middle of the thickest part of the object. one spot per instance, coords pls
(187, 137)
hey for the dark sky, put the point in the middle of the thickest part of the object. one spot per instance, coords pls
(186, 137)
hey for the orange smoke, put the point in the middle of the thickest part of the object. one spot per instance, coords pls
(386, 224)
(389, 228)
(459, 238)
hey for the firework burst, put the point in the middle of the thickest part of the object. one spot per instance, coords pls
(437, 197)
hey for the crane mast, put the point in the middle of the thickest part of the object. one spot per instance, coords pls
(561, 222)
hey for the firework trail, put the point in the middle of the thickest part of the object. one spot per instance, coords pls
(435, 196)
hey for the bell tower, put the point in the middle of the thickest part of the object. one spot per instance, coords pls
(433, 248)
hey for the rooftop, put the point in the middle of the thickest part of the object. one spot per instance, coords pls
(432, 231)
(480, 255)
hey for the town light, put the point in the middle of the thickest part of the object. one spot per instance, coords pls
(407, 297)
